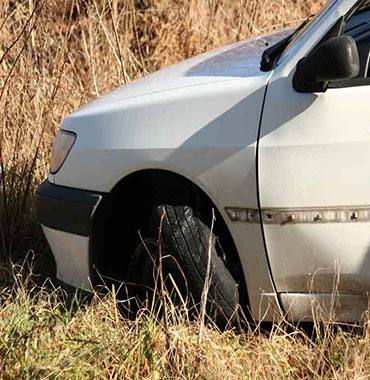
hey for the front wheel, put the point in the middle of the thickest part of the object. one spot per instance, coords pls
(180, 236)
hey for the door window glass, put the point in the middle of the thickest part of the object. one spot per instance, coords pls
(358, 27)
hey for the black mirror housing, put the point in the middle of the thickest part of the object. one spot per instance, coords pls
(334, 60)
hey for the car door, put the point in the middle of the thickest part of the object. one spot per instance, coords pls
(314, 179)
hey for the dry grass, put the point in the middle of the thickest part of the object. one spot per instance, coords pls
(54, 56)
(46, 333)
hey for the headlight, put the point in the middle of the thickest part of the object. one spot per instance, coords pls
(62, 145)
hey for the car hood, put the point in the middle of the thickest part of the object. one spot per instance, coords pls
(199, 118)
(233, 62)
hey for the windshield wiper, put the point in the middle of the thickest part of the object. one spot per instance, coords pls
(271, 55)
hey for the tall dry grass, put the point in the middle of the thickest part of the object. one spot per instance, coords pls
(56, 55)
(46, 333)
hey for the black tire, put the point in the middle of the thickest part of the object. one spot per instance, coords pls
(184, 242)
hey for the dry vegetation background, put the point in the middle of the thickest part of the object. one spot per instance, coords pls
(56, 55)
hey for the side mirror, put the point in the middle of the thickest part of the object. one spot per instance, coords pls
(333, 60)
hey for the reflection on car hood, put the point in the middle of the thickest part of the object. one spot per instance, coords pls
(236, 61)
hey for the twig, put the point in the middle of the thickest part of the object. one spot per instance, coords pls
(19, 35)
(163, 294)
(119, 52)
(207, 282)
(137, 38)
(21, 51)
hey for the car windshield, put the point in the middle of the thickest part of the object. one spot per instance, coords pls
(272, 54)
(364, 5)
(302, 29)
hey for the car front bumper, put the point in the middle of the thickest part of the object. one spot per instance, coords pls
(67, 216)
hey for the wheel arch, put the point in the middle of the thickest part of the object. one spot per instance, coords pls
(117, 221)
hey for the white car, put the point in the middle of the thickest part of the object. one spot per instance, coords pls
(272, 133)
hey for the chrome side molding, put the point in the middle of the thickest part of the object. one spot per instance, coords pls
(282, 216)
